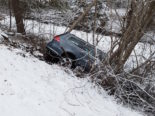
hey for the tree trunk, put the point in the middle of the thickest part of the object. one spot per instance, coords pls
(18, 16)
(10, 13)
(139, 22)
(130, 13)
(82, 16)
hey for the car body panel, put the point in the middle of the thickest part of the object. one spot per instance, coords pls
(67, 44)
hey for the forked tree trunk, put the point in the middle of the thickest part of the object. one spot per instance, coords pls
(18, 16)
(139, 22)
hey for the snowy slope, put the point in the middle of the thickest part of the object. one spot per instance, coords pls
(2, 34)
(29, 87)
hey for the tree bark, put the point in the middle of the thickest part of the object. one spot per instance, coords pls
(82, 15)
(130, 12)
(10, 13)
(140, 20)
(18, 16)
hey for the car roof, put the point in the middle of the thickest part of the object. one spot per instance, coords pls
(69, 34)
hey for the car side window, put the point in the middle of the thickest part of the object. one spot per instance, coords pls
(83, 45)
(77, 42)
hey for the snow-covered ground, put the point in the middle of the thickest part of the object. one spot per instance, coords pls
(29, 87)
(142, 51)
(2, 35)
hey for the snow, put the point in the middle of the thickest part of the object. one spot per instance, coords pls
(50, 30)
(141, 51)
(1, 35)
(29, 87)
(114, 23)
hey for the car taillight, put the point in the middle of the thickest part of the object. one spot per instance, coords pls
(57, 38)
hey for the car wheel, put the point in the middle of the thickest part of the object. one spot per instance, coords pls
(47, 57)
(68, 61)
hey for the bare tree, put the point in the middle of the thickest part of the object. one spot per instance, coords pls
(10, 13)
(18, 16)
(82, 15)
(140, 20)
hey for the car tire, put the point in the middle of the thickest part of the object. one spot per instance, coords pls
(67, 61)
(47, 57)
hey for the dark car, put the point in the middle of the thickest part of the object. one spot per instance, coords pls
(70, 50)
